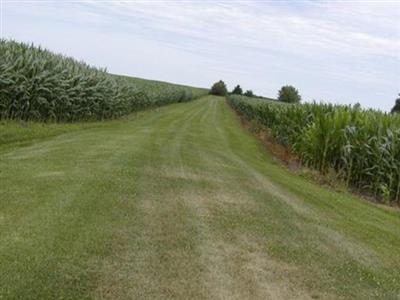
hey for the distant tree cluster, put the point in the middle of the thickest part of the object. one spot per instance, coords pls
(249, 93)
(239, 91)
(219, 89)
(289, 94)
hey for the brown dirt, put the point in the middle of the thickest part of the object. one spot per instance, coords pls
(263, 134)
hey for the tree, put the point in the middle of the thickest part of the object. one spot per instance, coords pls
(396, 107)
(289, 94)
(249, 93)
(237, 90)
(219, 89)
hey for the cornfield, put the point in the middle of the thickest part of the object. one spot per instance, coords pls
(36, 84)
(362, 146)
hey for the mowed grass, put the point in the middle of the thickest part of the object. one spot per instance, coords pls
(181, 202)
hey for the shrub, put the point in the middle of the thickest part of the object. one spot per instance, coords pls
(289, 94)
(249, 93)
(396, 107)
(219, 89)
(237, 90)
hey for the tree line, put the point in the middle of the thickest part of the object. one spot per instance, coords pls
(287, 94)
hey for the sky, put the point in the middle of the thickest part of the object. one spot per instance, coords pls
(331, 50)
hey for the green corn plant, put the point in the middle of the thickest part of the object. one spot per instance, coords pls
(36, 84)
(362, 146)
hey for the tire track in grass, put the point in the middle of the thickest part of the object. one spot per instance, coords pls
(159, 259)
(236, 265)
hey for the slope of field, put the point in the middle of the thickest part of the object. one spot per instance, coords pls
(36, 84)
(181, 202)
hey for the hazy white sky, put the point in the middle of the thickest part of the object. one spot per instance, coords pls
(338, 51)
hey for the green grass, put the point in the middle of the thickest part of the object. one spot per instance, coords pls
(181, 202)
(15, 133)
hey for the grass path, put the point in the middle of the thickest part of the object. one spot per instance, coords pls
(181, 202)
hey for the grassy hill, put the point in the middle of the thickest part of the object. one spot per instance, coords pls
(181, 202)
